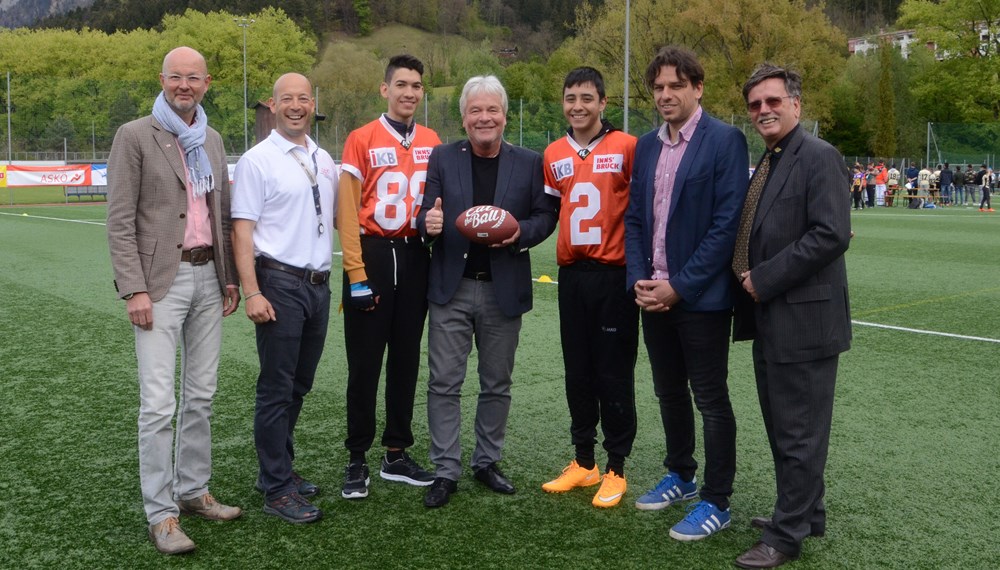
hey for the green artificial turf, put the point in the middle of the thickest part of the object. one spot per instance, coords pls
(909, 482)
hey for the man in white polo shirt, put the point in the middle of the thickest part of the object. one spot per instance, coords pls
(284, 203)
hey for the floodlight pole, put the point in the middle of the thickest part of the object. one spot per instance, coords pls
(245, 23)
(10, 139)
(628, 20)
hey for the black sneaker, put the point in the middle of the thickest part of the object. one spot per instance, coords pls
(356, 480)
(293, 508)
(405, 470)
(305, 488)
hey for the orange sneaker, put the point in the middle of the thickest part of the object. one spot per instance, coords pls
(573, 476)
(611, 492)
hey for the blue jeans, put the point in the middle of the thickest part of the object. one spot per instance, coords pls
(689, 354)
(959, 194)
(289, 350)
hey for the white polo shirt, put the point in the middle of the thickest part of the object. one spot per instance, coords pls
(273, 190)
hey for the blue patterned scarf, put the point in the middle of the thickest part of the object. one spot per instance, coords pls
(192, 140)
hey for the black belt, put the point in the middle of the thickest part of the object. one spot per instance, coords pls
(198, 255)
(313, 277)
(593, 265)
(393, 241)
(478, 275)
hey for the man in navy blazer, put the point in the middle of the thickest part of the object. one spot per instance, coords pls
(794, 305)
(478, 292)
(689, 181)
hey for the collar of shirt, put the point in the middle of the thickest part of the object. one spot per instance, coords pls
(685, 133)
(403, 129)
(286, 145)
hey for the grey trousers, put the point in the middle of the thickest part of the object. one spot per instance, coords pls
(176, 464)
(472, 314)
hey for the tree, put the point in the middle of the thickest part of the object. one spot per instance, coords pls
(731, 38)
(965, 85)
(884, 142)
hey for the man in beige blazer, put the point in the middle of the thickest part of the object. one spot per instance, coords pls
(169, 236)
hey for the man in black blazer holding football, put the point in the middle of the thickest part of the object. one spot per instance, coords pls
(477, 292)
(789, 259)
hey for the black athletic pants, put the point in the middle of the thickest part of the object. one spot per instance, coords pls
(599, 328)
(397, 269)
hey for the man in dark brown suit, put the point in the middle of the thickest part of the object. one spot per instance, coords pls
(169, 236)
(789, 259)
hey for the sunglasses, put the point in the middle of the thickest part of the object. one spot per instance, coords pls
(771, 102)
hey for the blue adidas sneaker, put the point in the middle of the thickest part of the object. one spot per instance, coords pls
(671, 489)
(703, 520)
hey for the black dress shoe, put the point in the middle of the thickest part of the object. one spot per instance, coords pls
(439, 493)
(492, 477)
(762, 556)
(764, 522)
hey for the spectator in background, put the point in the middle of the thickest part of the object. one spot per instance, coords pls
(881, 178)
(984, 179)
(169, 235)
(924, 182)
(892, 190)
(945, 182)
(971, 187)
(958, 181)
(870, 176)
(857, 187)
(911, 178)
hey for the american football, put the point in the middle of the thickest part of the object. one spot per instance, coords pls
(486, 224)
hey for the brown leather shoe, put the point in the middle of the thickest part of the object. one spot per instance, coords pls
(168, 537)
(762, 556)
(764, 522)
(207, 507)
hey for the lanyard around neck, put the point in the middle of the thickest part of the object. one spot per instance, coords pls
(311, 174)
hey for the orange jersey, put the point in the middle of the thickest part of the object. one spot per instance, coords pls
(392, 176)
(594, 194)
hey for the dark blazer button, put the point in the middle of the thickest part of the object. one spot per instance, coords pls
(180, 246)
(183, 216)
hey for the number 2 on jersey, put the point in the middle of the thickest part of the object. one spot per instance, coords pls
(581, 214)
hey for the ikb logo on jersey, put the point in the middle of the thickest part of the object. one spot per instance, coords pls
(382, 157)
(608, 162)
(562, 169)
(421, 154)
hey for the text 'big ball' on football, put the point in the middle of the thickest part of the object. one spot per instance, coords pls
(486, 224)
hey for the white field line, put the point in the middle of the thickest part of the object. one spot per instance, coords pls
(891, 327)
(921, 331)
(79, 222)
(93, 223)
(861, 323)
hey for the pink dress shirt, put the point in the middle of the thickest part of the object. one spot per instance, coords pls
(663, 185)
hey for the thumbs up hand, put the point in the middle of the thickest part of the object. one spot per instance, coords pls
(434, 220)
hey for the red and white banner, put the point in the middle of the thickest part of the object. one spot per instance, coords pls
(69, 175)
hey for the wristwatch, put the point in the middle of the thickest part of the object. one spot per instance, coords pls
(129, 296)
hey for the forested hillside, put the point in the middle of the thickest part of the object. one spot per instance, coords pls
(538, 25)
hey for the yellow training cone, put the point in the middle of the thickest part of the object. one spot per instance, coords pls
(545, 279)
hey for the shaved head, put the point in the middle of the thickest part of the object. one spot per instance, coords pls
(184, 56)
(291, 79)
